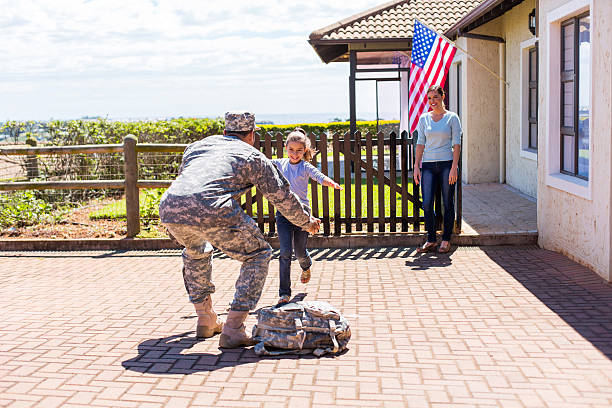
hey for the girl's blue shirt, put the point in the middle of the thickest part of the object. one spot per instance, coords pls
(298, 175)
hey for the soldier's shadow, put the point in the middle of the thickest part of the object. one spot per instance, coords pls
(170, 355)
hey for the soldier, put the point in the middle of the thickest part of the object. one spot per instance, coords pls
(201, 210)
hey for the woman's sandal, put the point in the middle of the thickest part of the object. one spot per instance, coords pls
(427, 247)
(305, 277)
(444, 249)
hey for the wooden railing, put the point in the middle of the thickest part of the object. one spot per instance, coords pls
(359, 159)
(130, 149)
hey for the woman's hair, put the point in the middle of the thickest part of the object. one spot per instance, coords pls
(438, 89)
(299, 135)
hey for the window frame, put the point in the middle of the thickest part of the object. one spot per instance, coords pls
(532, 84)
(526, 151)
(572, 76)
(550, 89)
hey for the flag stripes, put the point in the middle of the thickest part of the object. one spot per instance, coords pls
(432, 72)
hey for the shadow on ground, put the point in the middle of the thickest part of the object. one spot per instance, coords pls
(167, 355)
(171, 355)
(318, 254)
(422, 262)
(575, 293)
(347, 254)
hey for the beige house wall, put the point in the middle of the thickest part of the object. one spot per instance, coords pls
(482, 154)
(521, 165)
(481, 119)
(573, 218)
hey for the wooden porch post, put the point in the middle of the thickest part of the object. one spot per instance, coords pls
(352, 100)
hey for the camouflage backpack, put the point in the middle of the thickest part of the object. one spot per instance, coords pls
(302, 327)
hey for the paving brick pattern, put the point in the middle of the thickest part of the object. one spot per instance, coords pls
(481, 327)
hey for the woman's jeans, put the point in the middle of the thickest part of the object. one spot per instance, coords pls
(291, 238)
(432, 175)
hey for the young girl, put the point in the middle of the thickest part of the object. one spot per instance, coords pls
(298, 171)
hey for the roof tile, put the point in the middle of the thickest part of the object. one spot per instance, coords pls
(396, 21)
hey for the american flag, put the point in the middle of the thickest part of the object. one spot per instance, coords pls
(432, 55)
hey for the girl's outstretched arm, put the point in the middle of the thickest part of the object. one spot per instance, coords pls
(331, 183)
(321, 178)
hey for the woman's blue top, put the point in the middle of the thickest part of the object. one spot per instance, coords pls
(439, 137)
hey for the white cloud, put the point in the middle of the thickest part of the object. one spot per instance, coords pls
(181, 49)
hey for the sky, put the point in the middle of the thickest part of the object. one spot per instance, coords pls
(65, 59)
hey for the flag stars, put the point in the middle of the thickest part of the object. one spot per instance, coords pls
(422, 43)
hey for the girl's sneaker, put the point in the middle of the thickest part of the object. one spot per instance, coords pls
(283, 300)
(305, 277)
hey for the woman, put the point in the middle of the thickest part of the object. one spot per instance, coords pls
(437, 156)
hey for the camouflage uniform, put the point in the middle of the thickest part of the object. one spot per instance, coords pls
(201, 210)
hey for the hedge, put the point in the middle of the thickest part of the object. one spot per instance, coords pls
(152, 166)
(181, 130)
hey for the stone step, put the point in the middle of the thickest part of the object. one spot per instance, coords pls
(356, 240)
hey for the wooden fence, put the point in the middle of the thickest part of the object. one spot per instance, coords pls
(368, 162)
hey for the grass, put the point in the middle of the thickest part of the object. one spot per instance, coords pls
(148, 201)
(112, 211)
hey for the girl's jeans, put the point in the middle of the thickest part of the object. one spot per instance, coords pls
(291, 238)
(432, 174)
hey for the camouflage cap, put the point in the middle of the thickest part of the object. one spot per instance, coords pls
(240, 121)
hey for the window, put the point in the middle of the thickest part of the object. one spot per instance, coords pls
(529, 98)
(575, 96)
(566, 73)
(533, 98)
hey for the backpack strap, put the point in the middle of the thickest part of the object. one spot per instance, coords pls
(300, 329)
(261, 350)
(332, 334)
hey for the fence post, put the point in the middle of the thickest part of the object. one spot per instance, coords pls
(132, 205)
(31, 161)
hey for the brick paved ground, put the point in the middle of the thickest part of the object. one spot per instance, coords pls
(492, 327)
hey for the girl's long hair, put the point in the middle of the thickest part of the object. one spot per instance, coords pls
(299, 135)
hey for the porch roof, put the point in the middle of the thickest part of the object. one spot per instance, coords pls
(391, 22)
(486, 11)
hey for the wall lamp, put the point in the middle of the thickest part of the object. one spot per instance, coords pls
(532, 22)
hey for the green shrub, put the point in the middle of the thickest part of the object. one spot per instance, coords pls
(23, 208)
(103, 131)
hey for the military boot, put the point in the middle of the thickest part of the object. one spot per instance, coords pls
(208, 323)
(234, 334)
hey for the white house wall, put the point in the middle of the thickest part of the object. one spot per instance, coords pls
(521, 168)
(573, 218)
